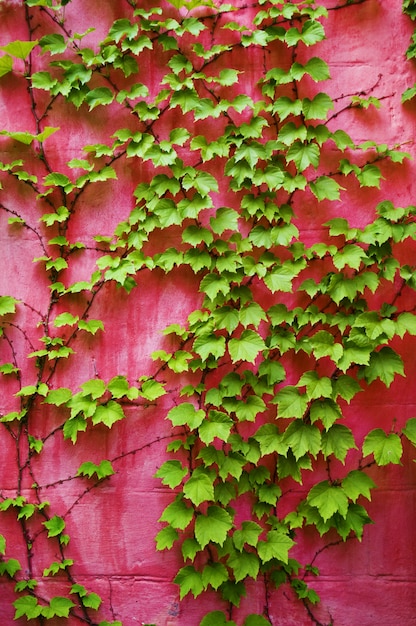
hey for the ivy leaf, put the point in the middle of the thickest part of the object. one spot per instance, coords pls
(213, 527)
(410, 430)
(244, 564)
(303, 155)
(290, 402)
(186, 414)
(276, 546)
(214, 574)
(100, 95)
(199, 488)
(60, 606)
(246, 347)
(384, 365)
(91, 326)
(337, 440)
(328, 499)
(357, 483)
(7, 305)
(317, 69)
(346, 387)
(270, 440)
(54, 526)
(53, 43)
(256, 620)
(206, 345)
(318, 107)
(171, 473)
(165, 538)
(177, 514)
(189, 581)
(386, 448)
(225, 219)
(219, 425)
(302, 438)
(216, 618)
(94, 387)
(103, 470)
(108, 414)
(351, 255)
(213, 284)
(27, 606)
(325, 410)
(19, 49)
(325, 188)
(6, 65)
(370, 176)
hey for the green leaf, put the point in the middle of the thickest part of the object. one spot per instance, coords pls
(99, 96)
(290, 402)
(302, 438)
(27, 606)
(270, 440)
(410, 430)
(19, 49)
(244, 564)
(186, 413)
(246, 347)
(199, 488)
(225, 219)
(216, 618)
(172, 473)
(60, 606)
(325, 188)
(103, 470)
(384, 365)
(91, 326)
(303, 155)
(6, 65)
(7, 305)
(65, 319)
(337, 440)
(357, 484)
(214, 574)
(118, 386)
(206, 345)
(328, 499)
(165, 538)
(369, 176)
(248, 534)
(94, 388)
(219, 425)
(276, 546)
(177, 514)
(54, 526)
(213, 527)
(386, 448)
(189, 581)
(108, 414)
(53, 43)
(256, 620)
(318, 107)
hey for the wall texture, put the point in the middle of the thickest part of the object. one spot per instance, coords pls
(112, 524)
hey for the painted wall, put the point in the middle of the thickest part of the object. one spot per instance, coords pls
(112, 526)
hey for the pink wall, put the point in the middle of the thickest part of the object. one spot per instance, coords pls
(112, 526)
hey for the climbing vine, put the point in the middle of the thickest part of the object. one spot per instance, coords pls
(215, 120)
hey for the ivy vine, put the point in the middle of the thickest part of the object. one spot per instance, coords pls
(285, 324)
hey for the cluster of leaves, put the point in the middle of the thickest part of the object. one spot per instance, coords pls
(409, 8)
(248, 422)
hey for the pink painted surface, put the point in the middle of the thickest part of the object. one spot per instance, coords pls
(112, 528)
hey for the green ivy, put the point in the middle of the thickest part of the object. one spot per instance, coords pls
(248, 425)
